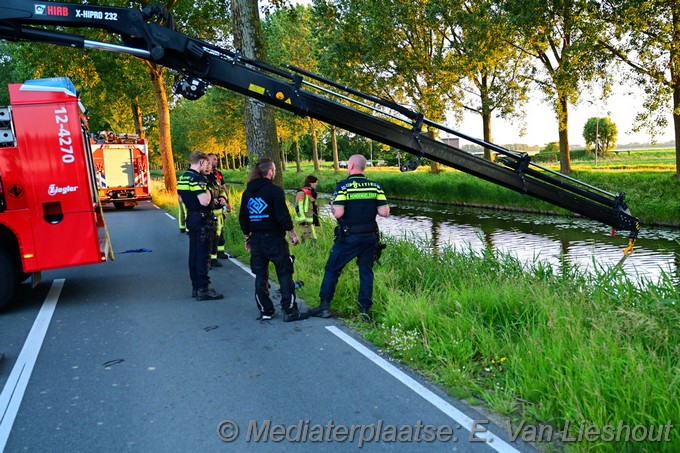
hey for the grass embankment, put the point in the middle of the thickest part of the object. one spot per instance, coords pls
(525, 342)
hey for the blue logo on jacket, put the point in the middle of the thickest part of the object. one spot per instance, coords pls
(256, 206)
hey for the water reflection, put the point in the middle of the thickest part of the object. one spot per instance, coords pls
(582, 243)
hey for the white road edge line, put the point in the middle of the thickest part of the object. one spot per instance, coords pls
(170, 216)
(13, 393)
(242, 266)
(459, 417)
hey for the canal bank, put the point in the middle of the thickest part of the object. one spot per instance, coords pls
(525, 341)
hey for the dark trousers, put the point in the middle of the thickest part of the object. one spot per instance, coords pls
(266, 248)
(201, 231)
(345, 249)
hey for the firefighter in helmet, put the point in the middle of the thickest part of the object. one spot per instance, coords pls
(306, 209)
(219, 189)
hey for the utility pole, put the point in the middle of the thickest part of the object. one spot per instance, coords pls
(597, 128)
(597, 133)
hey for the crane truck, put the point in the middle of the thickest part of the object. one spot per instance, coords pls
(150, 34)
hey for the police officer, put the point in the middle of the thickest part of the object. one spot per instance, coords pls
(192, 187)
(264, 220)
(356, 202)
(306, 210)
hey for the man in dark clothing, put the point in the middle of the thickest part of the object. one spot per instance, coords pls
(356, 202)
(264, 220)
(196, 196)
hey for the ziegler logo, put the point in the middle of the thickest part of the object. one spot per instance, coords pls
(54, 189)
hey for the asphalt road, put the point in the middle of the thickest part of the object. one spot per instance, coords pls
(119, 357)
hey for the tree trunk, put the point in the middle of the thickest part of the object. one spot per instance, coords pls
(434, 166)
(563, 121)
(261, 136)
(486, 127)
(315, 148)
(283, 158)
(676, 126)
(297, 156)
(334, 142)
(164, 138)
(137, 117)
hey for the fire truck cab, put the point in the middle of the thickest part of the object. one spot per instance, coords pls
(50, 215)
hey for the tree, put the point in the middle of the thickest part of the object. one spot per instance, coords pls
(202, 19)
(391, 47)
(645, 35)
(600, 134)
(494, 78)
(261, 137)
(552, 147)
(562, 37)
(289, 40)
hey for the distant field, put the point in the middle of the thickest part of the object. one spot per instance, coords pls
(656, 159)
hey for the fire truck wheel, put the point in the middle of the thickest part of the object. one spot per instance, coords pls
(8, 276)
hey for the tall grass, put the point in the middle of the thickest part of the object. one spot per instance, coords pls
(527, 342)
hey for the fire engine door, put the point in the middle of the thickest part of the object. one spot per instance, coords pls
(119, 167)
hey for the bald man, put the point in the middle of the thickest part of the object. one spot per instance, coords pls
(355, 204)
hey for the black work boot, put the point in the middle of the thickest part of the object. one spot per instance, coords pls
(208, 294)
(365, 315)
(215, 263)
(322, 311)
(294, 315)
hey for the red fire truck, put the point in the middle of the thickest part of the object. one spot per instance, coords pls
(122, 165)
(50, 216)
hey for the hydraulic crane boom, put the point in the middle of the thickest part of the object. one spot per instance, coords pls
(150, 35)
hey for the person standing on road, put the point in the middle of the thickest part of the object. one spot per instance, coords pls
(193, 188)
(218, 189)
(355, 203)
(306, 210)
(264, 219)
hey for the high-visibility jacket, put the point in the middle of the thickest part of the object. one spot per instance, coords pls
(304, 209)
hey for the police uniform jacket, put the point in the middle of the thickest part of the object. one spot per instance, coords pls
(361, 198)
(264, 209)
(189, 186)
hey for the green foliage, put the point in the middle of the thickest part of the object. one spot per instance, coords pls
(364, 36)
(552, 147)
(600, 134)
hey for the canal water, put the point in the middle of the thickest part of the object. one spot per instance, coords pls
(532, 237)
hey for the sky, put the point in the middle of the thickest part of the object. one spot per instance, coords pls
(541, 124)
